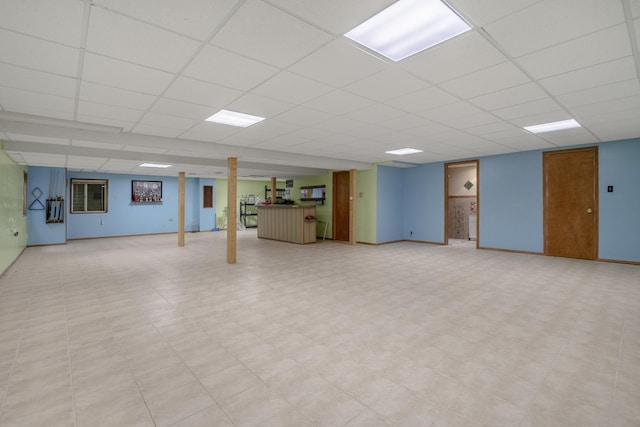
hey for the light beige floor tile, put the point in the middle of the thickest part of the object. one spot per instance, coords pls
(176, 404)
(211, 416)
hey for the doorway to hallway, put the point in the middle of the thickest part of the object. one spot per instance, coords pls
(461, 192)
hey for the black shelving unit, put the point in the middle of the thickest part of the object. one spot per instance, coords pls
(248, 210)
(280, 192)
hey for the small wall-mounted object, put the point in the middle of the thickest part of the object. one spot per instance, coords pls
(610, 189)
(315, 193)
(146, 192)
(36, 205)
(55, 210)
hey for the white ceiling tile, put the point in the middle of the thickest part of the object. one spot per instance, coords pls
(266, 33)
(193, 18)
(485, 81)
(567, 137)
(183, 109)
(595, 48)
(489, 130)
(120, 37)
(509, 97)
(482, 13)
(545, 117)
(338, 102)
(335, 16)
(292, 88)
(525, 142)
(120, 74)
(601, 93)
(32, 102)
(155, 130)
(427, 129)
(38, 54)
(54, 21)
(635, 8)
(617, 128)
(267, 129)
(39, 159)
(94, 109)
(528, 109)
(388, 83)
(84, 162)
(406, 122)
(37, 81)
(215, 65)
(472, 120)
(340, 124)
(621, 104)
(166, 121)
(338, 63)
(106, 121)
(551, 22)
(596, 75)
(197, 92)
(451, 111)
(208, 131)
(375, 113)
(304, 116)
(102, 94)
(259, 106)
(422, 100)
(457, 57)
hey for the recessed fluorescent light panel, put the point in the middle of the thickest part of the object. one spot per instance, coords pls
(553, 126)
(408, 27)
(404, 151)
(234, 118)
(154, 165)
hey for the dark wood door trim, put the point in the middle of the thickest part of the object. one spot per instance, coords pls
(546, 159)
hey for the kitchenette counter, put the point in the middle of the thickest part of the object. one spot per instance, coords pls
(288, 223)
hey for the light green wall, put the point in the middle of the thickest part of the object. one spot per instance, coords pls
(324, 212)
(11, 217)
(244, 188)
(366, 199)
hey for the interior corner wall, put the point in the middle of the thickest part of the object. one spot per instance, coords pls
(390, 198)
(510, 202)
(619, 218)
(12, 220)
(424, 203)
(366, 203)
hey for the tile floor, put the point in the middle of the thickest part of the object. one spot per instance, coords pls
(139, 332)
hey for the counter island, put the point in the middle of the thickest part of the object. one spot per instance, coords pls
(288, 223)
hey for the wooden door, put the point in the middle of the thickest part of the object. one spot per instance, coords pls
(341, 206)
(571, 203)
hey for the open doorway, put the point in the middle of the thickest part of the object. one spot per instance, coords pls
(461, 203)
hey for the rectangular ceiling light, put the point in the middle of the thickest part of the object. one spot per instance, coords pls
(154, 165)
(553, 126)
(408, 27)
(234, 118)
(404, 151)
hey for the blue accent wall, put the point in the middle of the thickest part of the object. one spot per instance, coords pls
(619, 211)
(510, 203)
(41, 233)
(389, 197)
(124, 218)
(423, 205)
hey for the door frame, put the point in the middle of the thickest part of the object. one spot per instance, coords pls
(475, 163)
(596, 204)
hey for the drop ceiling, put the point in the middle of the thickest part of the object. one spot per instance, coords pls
(105, 85)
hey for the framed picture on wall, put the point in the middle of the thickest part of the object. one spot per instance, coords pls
(146, 191)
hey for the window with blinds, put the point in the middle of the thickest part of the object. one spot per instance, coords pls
(89, 195)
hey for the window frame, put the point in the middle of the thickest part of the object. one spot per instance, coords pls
(86, 182)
